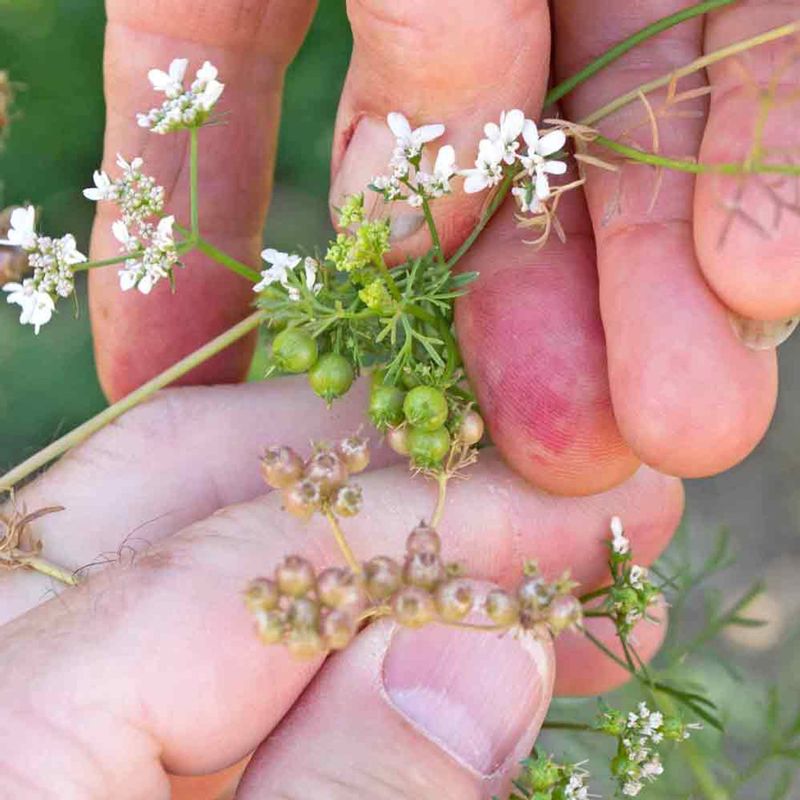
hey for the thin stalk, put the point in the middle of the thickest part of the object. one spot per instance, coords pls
(701, 63)
(144, 392)
(443, 329)
(227, 261)
(659, 26)
(394, 289)
(558, 725)
(344, 545)
(437, 244)
(106, 262)
(194, 194)
(442, 478)
(46, 567)
(602, 592)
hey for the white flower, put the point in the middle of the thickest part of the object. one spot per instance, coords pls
(529, 203)
(411, 140)
(444, 168)
(153, 254)
(21, 232)
(537, 162)
(638, 576)
(620, 544)
(505, 134)
(632, 788)
(488, 170)
(280, 265)
(36, 306)
(132, 167)
(103, 188)
(310, 267)
(170, 82)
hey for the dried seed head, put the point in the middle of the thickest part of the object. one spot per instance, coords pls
(305, 644)
(471, 428)
(302, 498)
(338, 629)
(281, 467)
(347, 500)
(327, 470)
(354, 452)
(424, 570)
(413, 607)
(261, 594)
(534, 593)
(295, 576)
(563, 613)
(303, 614)
(501, 607)
(382, 577)
(270, 625)
(339, 588)
(423, 539)
(454, 600)
(397, 439)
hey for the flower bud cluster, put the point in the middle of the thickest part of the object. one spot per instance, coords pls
(321, 482)
(542, 778)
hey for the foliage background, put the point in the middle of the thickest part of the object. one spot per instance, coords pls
(53, 49)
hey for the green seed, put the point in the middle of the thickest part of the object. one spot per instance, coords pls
(428, 448)
(386, 406)
(294, 351)
(425, 408)
(331, 376)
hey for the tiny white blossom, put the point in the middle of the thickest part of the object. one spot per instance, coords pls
(153, 253)
(632, 788)
(280, 265)
(170, 82)
(36, 305)
(103, 188)
(529, 203)
(505, 134)
(310, 267)
(488, 170)
(638, 576)
(620, 544)
(21, 232)
(411, 140)
(537, 161)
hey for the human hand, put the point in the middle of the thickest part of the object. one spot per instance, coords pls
(152, 665)
(586, 356)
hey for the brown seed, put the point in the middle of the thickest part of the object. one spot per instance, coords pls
(424, 570)
(281, 467)
(423, 539)
(305, 644)
(295, 576)
(413, 607)
(347, 500)
(382, 577)
(397, 439)
(261, 593)
(501, 607)
(270, 625)
(337, 629)
(454, 600)
(339, 588)
(354, 452)
(327, 470)
(303, 614)
(534, 593)
(302, 498)
(470, 431)
(564, 612)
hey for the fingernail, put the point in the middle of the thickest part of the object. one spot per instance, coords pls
(367, 155)
(474, 694)
(762, 334)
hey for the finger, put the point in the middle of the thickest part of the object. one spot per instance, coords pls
(746, 228)
(689, 398)
(442, 713)
(168, 463)
(137, 337)
(421, 59)
(533, 344)
(213, 692)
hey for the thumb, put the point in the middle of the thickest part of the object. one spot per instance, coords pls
(435, 713)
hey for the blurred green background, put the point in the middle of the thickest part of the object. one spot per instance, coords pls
(53, 49)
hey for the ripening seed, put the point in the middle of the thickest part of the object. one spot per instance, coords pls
(281, 467)
(382, 576)
(339, 588)
(305, 644)
(564, 612)
(425, 570)
(534, 593)
(347, 500)
(302, 498)
(413, 607)
(397, 439)
(337, 630)
(261, 594)
(423, 539)
(354, 452)
(295, 576)
(454, 600)
(471, 429)
(501, 607)
(270, 625)
(327, 470)
(303, 614)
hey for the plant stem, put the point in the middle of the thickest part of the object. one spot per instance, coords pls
(602, 592)
(443, 329)
(147, 390)
(557, 725)
(442, 478)
(106, 262)
(659, 26)
(437, 244)
(694, 66)
(48, 568)
(193, 183)
(227, 261)
(341, 540)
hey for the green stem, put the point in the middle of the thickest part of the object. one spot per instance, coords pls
(106, 262)
(443, 329)
(602, 592)
(227, 261)
(659, 26)
(193, 182)
(437, 243)
(147, 390)
(394, 289)
(558, 725)
(683, 165)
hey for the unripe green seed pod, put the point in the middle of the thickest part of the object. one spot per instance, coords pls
(270, 625)
(386, 406)
(327, 470)
(424, 570)
(425, 408)
(397, 439)
(303, 614)
(423, 539)
(302, 498)
(337, 629)
(261, 595)
(454, 600)
(331, 376)
(294, 351)
(295, 576)
(413, 607)
(471, 428)
(502, 608)
(339, 588)
(354, 452)
(281, 467)
(428, 448)
(305, 644)
(382, 577)
(347, 500)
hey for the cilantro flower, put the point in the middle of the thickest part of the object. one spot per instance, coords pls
(152, 251)
(36, 305)
(504, 136)
(537, 161)
(488, 170)
(411, 140)
(22, 233)
(280, 266)
(620, 544)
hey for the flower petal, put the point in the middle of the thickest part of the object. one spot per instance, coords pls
(177, 69)
(398, 125)
(427, 133)
(542, 186)
(555, 167)
(511, 123)
(552, 142)
(475, 181)
(530, 133)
